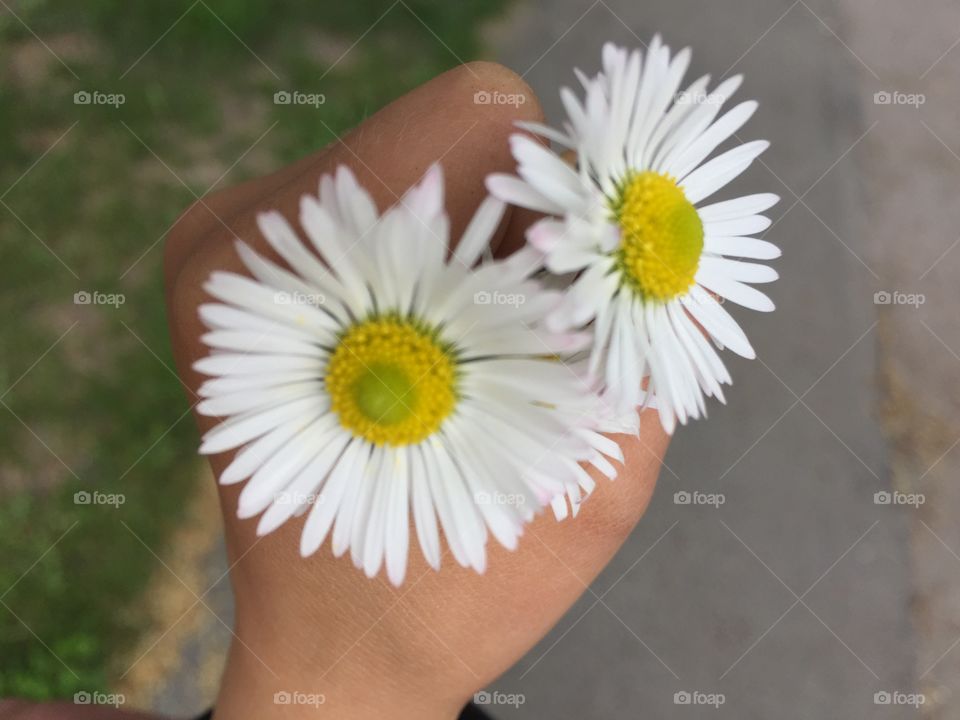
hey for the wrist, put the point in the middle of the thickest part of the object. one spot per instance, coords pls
(266, 685)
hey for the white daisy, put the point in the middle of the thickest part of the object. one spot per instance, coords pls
(377, 378)
(630, 218)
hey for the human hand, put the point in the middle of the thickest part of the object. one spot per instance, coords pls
(318, 625)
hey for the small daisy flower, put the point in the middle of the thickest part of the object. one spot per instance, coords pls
(653, 260)
(372, 378)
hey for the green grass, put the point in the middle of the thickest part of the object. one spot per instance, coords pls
(101, 410)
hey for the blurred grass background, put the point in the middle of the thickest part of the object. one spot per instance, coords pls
(86, 194)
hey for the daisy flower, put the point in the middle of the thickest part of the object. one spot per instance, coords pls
(371, 378)
(653, 260)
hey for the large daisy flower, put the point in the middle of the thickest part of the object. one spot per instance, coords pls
(371, 378)
(653, 259)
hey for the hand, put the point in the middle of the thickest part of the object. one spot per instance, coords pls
(318, 625)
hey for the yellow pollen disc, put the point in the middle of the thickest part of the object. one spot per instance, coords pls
(391, 382)
(661, 236)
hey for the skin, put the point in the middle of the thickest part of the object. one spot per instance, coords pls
(318, 625)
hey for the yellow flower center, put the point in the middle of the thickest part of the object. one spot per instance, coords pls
(391, 382)
(661, 236)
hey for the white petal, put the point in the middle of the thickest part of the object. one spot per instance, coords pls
(696, 120)
(515, 191)
(324, 511)
(463, 516)
(547, 132)
(747, 225)
(343, 525)
(281, 469)
(242, 428)
(242, 364)
(424, 515)
(240, 383)
(708, 178)
(375, 538)
(251, 457)
(737, 292)
(224, 317)
(741, 247)
(253, 341)
(425, 200)
(476, 238)
(737, 270)
(397, 529)
(235, 403)
(717, 322)
(302, 491)
(265, 301)
(683, 163)
(363, 511)
(738, 207)
(356, 205)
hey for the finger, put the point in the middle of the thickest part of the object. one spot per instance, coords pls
(437, 122)
(515, 233)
